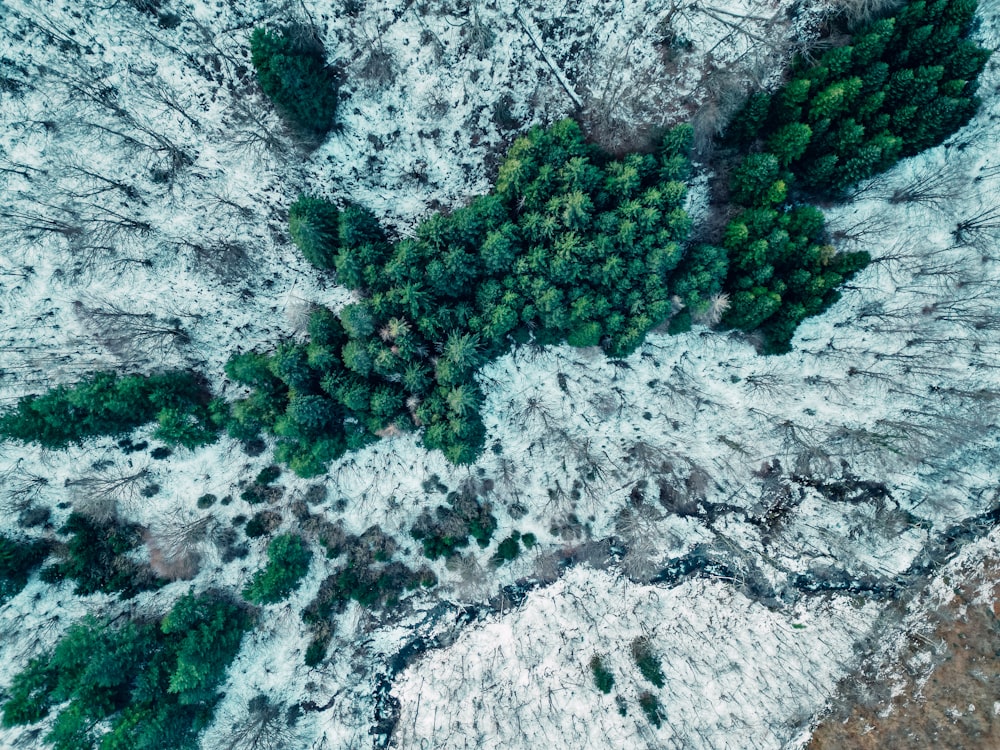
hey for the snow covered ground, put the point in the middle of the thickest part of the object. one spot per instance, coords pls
(764, 512)
(737, 674)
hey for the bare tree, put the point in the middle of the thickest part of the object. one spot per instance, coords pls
(131, 335)
(535, 409)
(173, 546)
(476, 578)
(92, 231)
(98, 183)
(860, 12)
(937, 189)
(156, 90)
(725, 92)
(33, 222)
(981, 229)
(103, 493)
(225, 258)
(636, 525)
(297, 313)
(21, 487)
(263, 727)
(508, 479)
(865, 231)
(769, 384)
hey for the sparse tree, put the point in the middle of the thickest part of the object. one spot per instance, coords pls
(263, 727)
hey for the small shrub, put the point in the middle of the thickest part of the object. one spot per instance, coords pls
(509, 549)
(315, 228)
(369, 576)
(263, 489)
(129, 447)
(34, 515)
(622, 705)
(650, 706)
(268, 475)
(647, 661)
(316, 652)
(603, 678)
(450, 528)
(253, 495)
(262, 523)
(288, 558)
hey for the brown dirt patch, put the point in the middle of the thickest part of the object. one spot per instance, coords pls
(942, 692)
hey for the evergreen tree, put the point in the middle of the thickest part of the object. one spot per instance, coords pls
(460, 355)
(97, 557)
(17, 559)
(292, 71)
(131, 686)
(754, 177)
(290, 364)
(357, 321)
(181, 427)
(313, 414)
(325, 328)
(254, 370)
(315, 228)
(288, 558)
(701, 277)
(648, 662)
(357, 358)
(789, 142)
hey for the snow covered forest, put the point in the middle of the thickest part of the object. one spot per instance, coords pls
(711, 513)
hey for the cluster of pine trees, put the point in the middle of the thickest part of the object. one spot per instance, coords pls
(901, 86)
(97, 557)
(571, 246)
(141, 685)
(574, 246)
(106, 404)
(781, 267)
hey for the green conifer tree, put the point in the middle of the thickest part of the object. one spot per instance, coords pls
(315, 228)
(292, 71)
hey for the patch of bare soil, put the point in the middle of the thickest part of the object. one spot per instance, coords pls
(942, 692)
